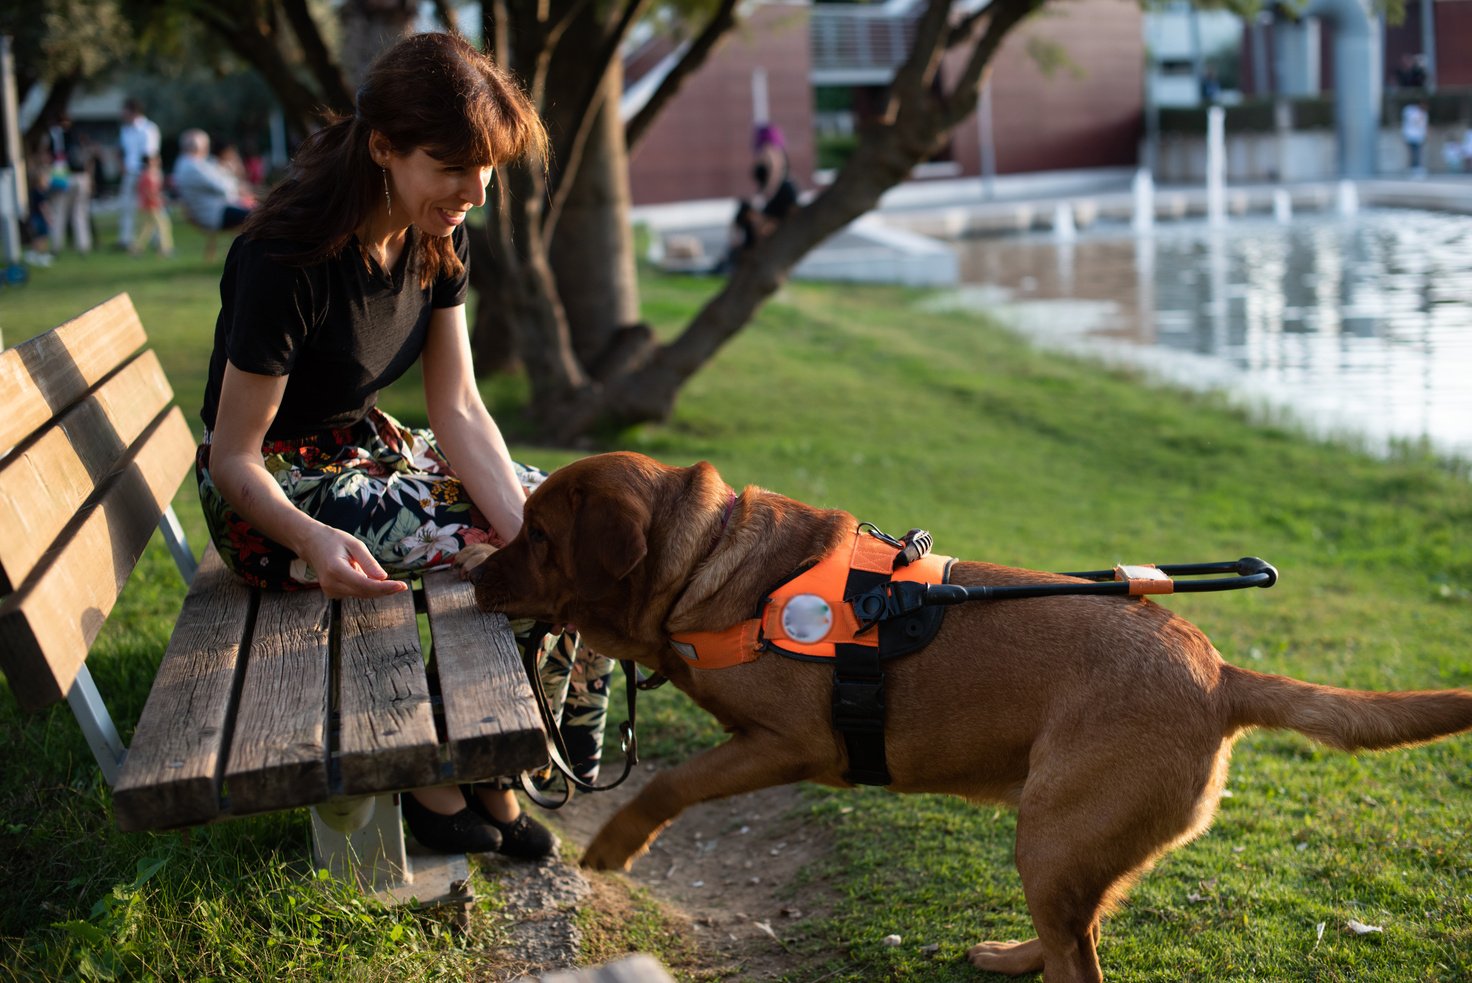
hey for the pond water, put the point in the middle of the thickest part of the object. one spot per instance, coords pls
(1357, 327)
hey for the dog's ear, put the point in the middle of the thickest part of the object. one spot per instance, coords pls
(611, 541)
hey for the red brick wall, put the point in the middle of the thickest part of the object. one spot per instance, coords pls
(1088, 113)
(1453, 42)
(700, 145)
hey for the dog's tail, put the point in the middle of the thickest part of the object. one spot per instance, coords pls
(1351, 720)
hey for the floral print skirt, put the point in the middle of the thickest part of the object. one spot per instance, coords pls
(391, 487)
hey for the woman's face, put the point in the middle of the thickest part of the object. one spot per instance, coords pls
(433, 194)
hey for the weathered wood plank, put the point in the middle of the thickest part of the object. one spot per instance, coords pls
(171, 776)
(490, 721)
(44, 375)
(386, 736)
(43, 485)
(278, 753)
(48, 624)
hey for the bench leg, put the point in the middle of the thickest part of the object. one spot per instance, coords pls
(362, 840)
(96, 723)
(173, 533)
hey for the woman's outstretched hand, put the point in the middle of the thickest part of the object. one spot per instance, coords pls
(345, 568)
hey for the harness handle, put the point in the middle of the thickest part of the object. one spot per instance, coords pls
(898, 598)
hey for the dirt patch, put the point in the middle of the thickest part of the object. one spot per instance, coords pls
(727, 866)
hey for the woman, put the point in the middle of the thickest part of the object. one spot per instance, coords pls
(346, 275)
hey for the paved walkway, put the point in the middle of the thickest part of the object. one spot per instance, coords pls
(904, 239)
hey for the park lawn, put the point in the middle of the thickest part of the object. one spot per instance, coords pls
(859, 398)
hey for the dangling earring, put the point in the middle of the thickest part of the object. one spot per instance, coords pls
(386, 199)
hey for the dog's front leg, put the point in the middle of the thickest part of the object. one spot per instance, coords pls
(742, 764)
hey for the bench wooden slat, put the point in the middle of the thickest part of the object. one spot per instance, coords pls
(44, 375)
(44, 485)
(386, 737)
(48, 624)
(278, 753)
(490, 720)
(171, 776)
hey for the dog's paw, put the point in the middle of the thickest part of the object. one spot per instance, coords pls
(471, 557)
(1007, 958)
(616, 848)
(598, 857)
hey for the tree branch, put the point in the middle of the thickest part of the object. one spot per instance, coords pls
(251, 38)
(1007, 15)
(447, 15)
(913, 79)
(556, 29)
(960, 31)
(319, 60)
(584, 110)
(705, 44)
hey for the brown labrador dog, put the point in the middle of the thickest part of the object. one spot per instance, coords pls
(1106, 722)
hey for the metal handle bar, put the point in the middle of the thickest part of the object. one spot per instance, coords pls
(1251, 572)
(1245, 567)
(898, 598)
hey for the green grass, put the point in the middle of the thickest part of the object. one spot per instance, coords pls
(858, 398)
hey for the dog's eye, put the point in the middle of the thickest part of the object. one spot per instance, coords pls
(535, 536)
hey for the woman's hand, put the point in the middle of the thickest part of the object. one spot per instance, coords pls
(344, 567)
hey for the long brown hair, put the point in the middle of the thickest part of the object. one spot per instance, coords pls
(434, 92)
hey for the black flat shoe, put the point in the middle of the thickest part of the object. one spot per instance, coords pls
(523, 838)
(464, 832)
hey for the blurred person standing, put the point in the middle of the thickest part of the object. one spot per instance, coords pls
(138, 140)
(154, 210)
(36, 232)
(1414, 120)
(71, 185)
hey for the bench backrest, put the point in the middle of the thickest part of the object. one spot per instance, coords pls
(91, 454)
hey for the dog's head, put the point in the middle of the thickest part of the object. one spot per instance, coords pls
(607, 540)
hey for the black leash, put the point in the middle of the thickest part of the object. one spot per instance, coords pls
(556, 749)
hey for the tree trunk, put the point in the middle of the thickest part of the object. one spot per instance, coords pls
(368, 27)
(519, 303)
(592, 249)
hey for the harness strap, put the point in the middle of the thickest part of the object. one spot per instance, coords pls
(858, 688)
(556, 749)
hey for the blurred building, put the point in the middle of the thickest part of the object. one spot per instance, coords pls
(819, 71)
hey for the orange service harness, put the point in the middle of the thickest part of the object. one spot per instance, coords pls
(809, 617)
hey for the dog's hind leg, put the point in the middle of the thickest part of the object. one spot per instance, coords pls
(741, 764)
(1071, 870)
(1082, 840)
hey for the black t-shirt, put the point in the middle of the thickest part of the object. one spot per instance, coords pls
(339, 329)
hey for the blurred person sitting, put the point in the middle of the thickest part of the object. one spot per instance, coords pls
(229, 158)
(209, 192)
(776, 195)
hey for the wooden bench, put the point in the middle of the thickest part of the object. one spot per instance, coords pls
(262, 701)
